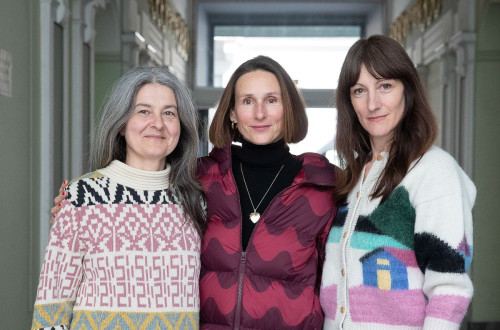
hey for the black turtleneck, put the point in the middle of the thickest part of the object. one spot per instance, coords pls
(260, 165)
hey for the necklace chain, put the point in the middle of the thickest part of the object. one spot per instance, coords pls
(255, 216)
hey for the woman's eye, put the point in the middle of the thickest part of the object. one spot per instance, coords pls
(357, 91)
(143, 112)
(272, 100)
(385, 86)
(247, 101)
(169, 114)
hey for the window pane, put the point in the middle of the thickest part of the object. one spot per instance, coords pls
(312, 56)
(320, 135)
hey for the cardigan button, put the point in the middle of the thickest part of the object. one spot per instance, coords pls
(345, 235)
(342, 309)
(379, 157)
(342, 272)
(357, 194)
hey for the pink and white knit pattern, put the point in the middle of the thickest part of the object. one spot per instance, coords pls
(119, 251)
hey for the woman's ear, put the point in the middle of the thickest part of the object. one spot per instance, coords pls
(232, 116)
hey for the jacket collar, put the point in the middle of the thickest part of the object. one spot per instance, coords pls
(316, 169)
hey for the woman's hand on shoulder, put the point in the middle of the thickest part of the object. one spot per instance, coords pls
(58, 201)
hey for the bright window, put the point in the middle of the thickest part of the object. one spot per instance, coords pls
(313, 56)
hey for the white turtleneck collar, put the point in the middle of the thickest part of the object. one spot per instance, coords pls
(137, 179)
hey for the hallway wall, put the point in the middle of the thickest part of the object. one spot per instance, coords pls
(466, 106)
(486, 264)
(18, 150)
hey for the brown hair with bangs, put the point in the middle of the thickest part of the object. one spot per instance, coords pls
(294, 114)
(415, 133)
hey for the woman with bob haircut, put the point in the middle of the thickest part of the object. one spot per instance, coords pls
(294, 114)
(400, 246)
(269, 212)
(124, 249)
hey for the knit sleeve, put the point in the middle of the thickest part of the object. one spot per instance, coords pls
(321, 244)
(61, 273)
(443, 196)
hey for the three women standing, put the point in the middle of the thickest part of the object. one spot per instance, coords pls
(400, 246)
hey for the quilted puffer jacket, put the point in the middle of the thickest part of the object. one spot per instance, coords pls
(274, 284)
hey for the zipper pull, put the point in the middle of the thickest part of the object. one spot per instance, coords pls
(243, 257)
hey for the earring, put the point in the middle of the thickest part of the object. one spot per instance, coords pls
(234, 125)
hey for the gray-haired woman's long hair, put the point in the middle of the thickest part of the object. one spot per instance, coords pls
(109, 144)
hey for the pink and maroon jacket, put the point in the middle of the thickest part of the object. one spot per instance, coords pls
(274, 284)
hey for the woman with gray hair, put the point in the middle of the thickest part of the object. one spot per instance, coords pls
(124, 250)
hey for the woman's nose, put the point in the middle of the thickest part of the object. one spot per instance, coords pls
(373, 102)
(156, 121)
(259, 111)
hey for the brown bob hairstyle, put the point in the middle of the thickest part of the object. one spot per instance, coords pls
(294, 114)
(415, 133)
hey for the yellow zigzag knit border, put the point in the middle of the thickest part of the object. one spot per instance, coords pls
(84, 319)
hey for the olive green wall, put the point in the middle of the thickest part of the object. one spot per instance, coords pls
(108, 57)
(18, 131)
(106, 73)
(486, 263)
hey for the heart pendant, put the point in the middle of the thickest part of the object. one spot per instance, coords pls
(254, 216)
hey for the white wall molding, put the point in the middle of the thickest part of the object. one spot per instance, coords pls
(436, 37)
(47, 8)
(154, 38)
(62, 12)
(77, 88)
(447, 42)
(52, 12)
(464, 46)
(132, 45)
(154, 46)
(89, 19)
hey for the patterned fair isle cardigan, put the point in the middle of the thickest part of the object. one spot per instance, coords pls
(402, 264)
(121, 255)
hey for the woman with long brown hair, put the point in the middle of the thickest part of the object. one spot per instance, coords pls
(399, 249)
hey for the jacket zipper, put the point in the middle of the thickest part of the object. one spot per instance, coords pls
(243, 259)
(237, 317)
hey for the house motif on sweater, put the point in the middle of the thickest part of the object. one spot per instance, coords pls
(383, 270)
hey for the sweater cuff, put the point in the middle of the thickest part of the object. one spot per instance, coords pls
(432, 323)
